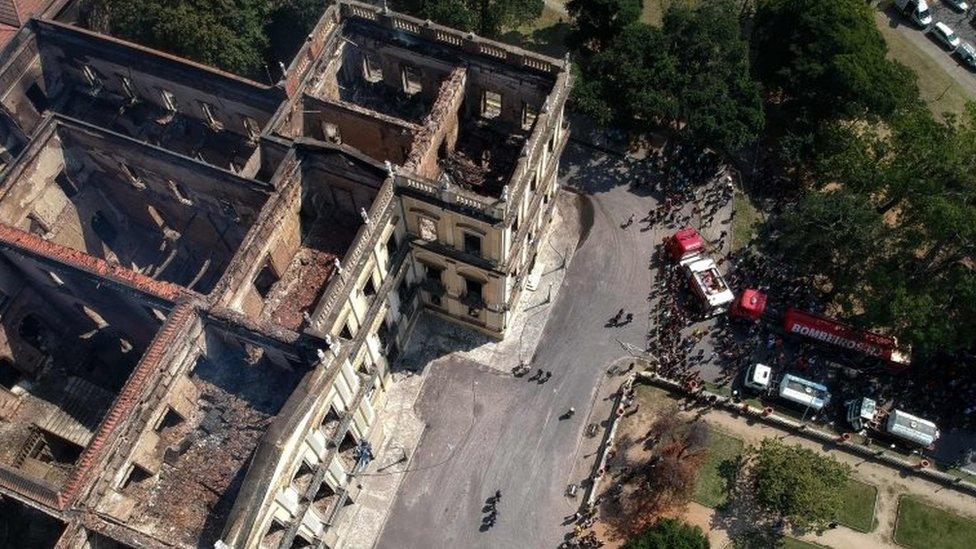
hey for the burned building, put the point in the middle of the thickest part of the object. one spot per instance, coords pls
(204, 279)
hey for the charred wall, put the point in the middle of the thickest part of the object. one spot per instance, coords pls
(122, 200)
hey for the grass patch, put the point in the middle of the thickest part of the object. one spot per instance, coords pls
(937, 88)
(723, 451)
(746, 221)
(726, 391)
(545, 35)
(650, 397)
(921, 525)
(793, 543)
(857, 506)
(653, 12)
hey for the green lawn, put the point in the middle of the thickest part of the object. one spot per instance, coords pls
(746, 221)
(857, 509)
(921, 525)
(937, 88)
(723, 449)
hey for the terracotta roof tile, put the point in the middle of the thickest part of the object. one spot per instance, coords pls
(36, 245)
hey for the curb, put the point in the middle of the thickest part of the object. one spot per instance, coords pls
(617, 412)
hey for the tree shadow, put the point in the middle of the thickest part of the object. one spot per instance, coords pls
(741, 517)
(550, 40)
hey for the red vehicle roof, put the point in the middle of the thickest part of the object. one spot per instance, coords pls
(750, 304)
(685, 242)
(837, 333)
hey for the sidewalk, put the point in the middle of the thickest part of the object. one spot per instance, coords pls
(601, 414)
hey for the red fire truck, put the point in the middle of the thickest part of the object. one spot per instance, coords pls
(842, 335)
(750, 305)
(685, 243)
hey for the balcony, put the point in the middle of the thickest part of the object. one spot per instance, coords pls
(341, 431)
(331, 424)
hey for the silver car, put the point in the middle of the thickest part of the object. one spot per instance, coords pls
(967, 53)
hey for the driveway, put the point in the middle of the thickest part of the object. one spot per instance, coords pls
(488, 431)
(960, 23)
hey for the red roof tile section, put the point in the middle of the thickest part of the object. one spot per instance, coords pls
(127, 400)
(36, 245)
(17, 12)
(6, 33)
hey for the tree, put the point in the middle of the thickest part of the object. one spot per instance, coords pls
(693, 73)
(827, 60)
(833, 233)
(229, 34)
(633, 78)
(892, 227)
(796, 483)
(669, 533)
(664, 480)
(597, 22)
(486, 17)
(718, 99)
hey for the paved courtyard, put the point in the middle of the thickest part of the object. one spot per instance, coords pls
(488, 430)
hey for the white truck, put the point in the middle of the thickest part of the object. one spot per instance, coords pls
(863, 414)
(916, 10)
(758, 377)
(708, 284)
(810, 395)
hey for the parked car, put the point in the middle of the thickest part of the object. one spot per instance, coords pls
(916, 10)
(959, 5)
(946, 35)
(967, 53)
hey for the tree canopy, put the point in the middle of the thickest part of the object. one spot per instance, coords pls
(796, 483)
(717, 96)
(291, 22)
(597, 22)
(827, 59)
(229, 34)
(669, 533)
(894, 229)
(692, 73)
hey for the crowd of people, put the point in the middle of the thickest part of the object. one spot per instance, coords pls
(694, 190)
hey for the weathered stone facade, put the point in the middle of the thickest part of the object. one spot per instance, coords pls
(203, 279)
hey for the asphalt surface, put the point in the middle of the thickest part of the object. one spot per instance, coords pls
(489, 431)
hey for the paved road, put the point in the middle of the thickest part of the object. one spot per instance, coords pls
(488, 430)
